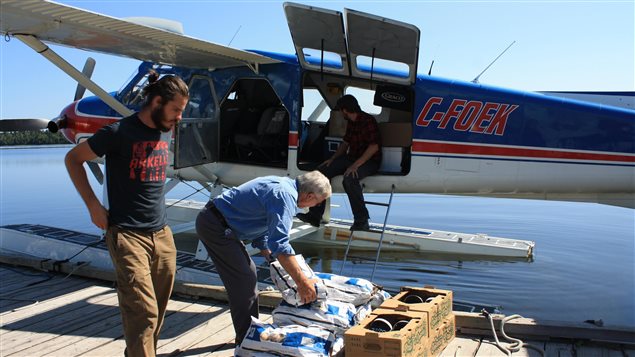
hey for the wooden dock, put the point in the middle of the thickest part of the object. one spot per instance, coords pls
(50, 314)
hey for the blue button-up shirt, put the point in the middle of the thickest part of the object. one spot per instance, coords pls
(262, 210)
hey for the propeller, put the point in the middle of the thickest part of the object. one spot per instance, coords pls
(23, 124)
(52, 125)
(89, 66)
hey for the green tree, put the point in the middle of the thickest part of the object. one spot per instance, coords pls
(43, 137)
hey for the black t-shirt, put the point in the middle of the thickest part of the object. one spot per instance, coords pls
(136, 162)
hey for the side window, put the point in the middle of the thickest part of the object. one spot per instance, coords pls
(314, 109)
(201, 104)
(197, 134)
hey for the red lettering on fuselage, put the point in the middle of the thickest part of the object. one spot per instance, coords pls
(462, 115)
(452, 112)
(484, 117)
(500, 119)
(468, 114)
(421, 121)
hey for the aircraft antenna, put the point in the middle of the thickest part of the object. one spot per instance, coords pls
(233, 37)
(430, 70)
(475, 80)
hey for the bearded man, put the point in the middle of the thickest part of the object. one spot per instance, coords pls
(139, 240)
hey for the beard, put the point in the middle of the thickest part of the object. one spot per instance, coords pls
(158, 118)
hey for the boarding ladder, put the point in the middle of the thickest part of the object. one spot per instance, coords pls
(381, 237)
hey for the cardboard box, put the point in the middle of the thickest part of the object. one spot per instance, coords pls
(410, 340)
(396, 133)
(438, 305)
(442, 336)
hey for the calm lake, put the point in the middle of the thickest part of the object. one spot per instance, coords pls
(583, 267)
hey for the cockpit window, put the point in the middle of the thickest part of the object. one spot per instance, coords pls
(201, 104)
(134, 98)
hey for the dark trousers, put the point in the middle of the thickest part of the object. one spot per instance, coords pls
(235, 268)
(351, 184)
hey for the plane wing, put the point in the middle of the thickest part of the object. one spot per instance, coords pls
(65, 25)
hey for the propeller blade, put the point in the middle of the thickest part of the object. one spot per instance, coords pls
(89, 66)
(23, 124)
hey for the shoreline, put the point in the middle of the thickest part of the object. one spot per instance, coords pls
(17, 147)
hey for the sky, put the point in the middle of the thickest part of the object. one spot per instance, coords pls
(560, 45)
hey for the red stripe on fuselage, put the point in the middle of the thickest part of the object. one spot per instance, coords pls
(468, 149)
(293, 139)
(82, 124)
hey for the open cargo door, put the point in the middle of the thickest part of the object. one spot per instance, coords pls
(374, 40)
(318, 37)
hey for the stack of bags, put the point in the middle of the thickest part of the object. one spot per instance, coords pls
(315, 329)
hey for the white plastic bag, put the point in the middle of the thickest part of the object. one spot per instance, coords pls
(353, 290)
(292, 340)
(334, 316)
(287, 286)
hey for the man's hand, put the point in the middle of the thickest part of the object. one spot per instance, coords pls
(326, 163)
(99, 215)
(306, 290)
(267, 254)
(352, 170)
(306, 286)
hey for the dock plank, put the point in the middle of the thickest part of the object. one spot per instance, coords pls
(106, 334)
(10, 279)
(108, 328)
(597, 351)
(461, 346)
(11, 319)
(488, 348)
(179, 320)
(208, 336)
(61, 323)
(48, 290)
(559, 349)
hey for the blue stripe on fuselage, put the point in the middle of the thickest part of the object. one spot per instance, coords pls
(529, 119)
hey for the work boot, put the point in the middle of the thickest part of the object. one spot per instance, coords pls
(309, 218)
(360, 226)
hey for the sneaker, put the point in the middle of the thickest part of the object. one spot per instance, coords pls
(308, 218)
(360, 226)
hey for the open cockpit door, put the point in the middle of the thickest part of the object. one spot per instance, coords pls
(318, 37)
(374, 40)
(196, 136)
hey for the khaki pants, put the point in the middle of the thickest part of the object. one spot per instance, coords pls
(145, 264)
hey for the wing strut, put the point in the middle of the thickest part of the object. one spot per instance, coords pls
(41, 48)
(253, 66)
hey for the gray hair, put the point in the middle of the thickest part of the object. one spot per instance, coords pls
(314, 182)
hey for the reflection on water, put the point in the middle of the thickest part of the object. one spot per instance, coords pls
(583, 267)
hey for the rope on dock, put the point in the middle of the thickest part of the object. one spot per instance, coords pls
(516, 344)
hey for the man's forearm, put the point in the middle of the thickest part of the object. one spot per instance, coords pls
(80, 181)
(341, 150)
(292, 267)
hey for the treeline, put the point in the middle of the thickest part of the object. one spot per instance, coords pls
(43, 137)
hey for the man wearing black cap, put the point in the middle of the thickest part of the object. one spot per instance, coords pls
(358, 156)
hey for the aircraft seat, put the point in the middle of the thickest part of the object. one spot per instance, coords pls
(270, 137)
